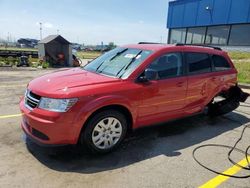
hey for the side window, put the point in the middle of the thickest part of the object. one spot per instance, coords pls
(220, 63)
(198, 63)
(168, 66)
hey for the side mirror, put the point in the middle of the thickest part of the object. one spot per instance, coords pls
(149, 74)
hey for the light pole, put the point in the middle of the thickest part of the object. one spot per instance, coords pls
(41, 35)
(8, 37)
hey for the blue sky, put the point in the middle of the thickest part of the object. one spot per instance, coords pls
(86, 21)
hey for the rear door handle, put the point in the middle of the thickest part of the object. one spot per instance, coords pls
(213, 78)
(203, 90)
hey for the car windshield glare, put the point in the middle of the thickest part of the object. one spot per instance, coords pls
(119, 62)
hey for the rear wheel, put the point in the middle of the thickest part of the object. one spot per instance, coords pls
(223, 107)
(104, 131)
(230, 100)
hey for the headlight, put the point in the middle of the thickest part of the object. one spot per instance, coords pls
(56, 105)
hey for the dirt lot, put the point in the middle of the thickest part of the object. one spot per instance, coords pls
(152, 157)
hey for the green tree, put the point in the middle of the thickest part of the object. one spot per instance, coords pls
(111, 45)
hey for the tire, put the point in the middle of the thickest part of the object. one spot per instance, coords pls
(223, 107)
(104, 131)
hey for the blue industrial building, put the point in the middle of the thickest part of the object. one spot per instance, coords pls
(212, 22)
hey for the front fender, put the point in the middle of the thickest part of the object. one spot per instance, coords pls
(93, 104)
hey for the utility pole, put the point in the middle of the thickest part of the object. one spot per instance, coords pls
(41, 29)
(8, 37)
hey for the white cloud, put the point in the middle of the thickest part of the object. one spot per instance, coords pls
(45, 24)
(120, 33)
(48, 25)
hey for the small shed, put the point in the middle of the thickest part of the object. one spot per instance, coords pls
(56, 50)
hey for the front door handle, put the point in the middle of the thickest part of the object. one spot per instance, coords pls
(179, 84)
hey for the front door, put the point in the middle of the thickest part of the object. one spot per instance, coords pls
(164, 98)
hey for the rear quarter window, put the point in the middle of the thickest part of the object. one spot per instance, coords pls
(198, 63)
(220, 63)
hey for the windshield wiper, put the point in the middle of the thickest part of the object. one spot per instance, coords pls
(118, 53)
(96, 70)
(125, 67)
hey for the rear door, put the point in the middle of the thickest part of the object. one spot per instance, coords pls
(199, 70)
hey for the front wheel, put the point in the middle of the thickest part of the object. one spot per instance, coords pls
(104, 131)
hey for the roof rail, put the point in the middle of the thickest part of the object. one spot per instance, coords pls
(200, 45)
(149, 43)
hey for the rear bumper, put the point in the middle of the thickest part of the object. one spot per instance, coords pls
(49, 128)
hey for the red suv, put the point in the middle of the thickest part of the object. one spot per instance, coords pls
(127, 88)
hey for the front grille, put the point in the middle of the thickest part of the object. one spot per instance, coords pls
(31, 100)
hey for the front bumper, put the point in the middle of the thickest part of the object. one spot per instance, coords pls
(49, 128)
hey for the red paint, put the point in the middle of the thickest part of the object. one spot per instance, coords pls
(148, 103)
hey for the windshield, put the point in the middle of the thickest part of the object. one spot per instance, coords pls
(120, 62)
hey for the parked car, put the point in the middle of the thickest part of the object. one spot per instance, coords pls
(126, 88)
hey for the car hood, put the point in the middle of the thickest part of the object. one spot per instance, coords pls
(64, 80)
